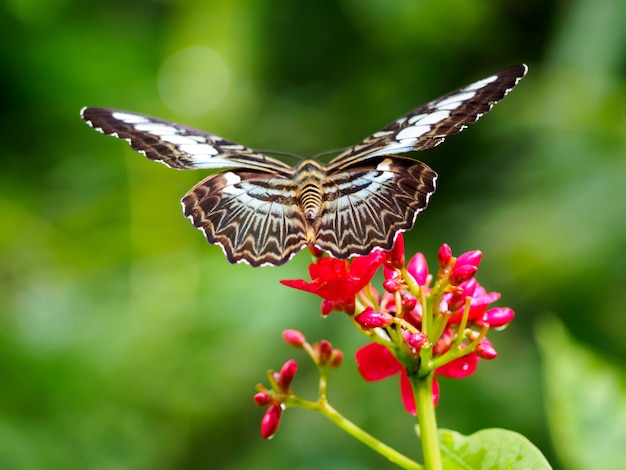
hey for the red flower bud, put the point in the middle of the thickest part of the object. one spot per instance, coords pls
(408, 302)
(444, 256)
(391, 285)
(328, 306)
(461, 273)
(315, 251)
(262, 399)
(454, 300)
(416, 340)
(370, 318)
(294, 337)
(286, 375)
(418, 268)
(486, 350)
(336, 359)
(325, 350)
(470, 257)
(395, 257)
(496, 317)
(270, 421)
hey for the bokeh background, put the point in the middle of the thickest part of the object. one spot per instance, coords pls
(127, 342)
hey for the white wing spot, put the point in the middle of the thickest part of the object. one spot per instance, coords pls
(179, 139)
(434, 118)
(156, 128)
(481, 83)
(412, 132)
(455, 101)
(231, 178)
(416, 118)
(129, 118)
(382, 134)
(198, 149)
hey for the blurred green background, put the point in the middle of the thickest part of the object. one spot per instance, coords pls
(127, 342)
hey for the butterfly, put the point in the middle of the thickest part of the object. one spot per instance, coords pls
(262, 211)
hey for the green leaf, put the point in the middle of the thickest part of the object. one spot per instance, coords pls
(585, 399)
(489, 449)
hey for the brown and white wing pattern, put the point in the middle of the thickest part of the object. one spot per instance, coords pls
(175, 145)
(253, 216)
(367, 205)
(358, 202)
(429, 125)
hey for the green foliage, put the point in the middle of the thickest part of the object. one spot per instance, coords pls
(585, 401)
(127, 342)
(490, 448)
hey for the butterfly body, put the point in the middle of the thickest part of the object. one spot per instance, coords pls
(262, 211)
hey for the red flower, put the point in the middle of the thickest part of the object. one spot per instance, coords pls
(377, 363)
(338, 281)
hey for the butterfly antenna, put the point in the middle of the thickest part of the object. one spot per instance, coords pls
(283, 154)
(328, 152)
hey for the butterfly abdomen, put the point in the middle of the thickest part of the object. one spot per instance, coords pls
(309, 176)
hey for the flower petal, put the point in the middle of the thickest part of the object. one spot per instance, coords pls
(459, 368)
(408, 399)
(376, 362)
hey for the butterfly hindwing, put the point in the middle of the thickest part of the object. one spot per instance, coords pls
(367, 205)
(175, 145)
(253, 216)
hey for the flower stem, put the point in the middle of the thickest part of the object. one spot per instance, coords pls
(391, 454)
(427, 420)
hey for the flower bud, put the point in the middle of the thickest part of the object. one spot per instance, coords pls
(315, 251)
(395, 257)
(470, 257)
(444, 255)
(453, 300)
(294, 338)
(496, 317)
(270, 421)
(325, 350)
(418, 268)
(461, 273)
(286, 375)
(391, 285)
(416, 340)
(408, 302)
(486, 350)
(328, 306)
(262, 399)
(336, 359)
(370, 318)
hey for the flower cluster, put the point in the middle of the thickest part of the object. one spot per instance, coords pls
(422, 323)
(280, 395)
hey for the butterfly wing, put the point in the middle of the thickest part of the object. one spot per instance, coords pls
(428, 125)
(253, 216)
(366, 205)
(178, 146)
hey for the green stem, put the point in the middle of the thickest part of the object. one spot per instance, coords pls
(348, 426)
(427, 421)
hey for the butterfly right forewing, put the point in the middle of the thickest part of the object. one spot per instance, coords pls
(429, 125)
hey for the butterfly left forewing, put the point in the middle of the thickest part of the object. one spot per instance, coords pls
(366, 205)
(175, 145)
(253, 216)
